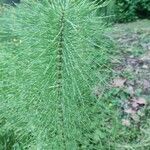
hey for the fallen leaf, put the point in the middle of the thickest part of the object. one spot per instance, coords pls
(135, 105)
(145, 66)
(136, 102)
(130, 111)
(141, 101)
(146, 84)
(135, 117)
(126, 122)
(119, 82)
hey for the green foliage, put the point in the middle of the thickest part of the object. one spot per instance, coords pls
(52, 55)
(124, 10)
(143, 8)
(129, 10)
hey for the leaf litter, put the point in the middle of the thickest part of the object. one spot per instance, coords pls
(133, 108)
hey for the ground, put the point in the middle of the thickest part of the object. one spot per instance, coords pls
(132, 80)
(133, 40)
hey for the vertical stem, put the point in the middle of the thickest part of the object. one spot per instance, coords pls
(59, 74)
(60, 55)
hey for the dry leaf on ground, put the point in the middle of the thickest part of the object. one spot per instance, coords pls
(135, 117)
(118, 82)
(130, 111)
(146, 84)
(140, 101)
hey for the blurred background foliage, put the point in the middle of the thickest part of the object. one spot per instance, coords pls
(125, 10)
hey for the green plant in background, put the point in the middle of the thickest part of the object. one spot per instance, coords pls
(124, 10)
(143, 8)
(130, 10)
(52, 55)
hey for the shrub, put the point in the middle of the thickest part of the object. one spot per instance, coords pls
(143, 8)
(125, 10)
(129, 10)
